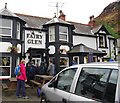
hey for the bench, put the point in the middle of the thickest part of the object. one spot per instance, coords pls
(27, 86)
(4, 86)
(33, 82)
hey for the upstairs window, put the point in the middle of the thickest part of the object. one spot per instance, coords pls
(102, 41)
(52, 33)
(5, 27)
(63, 33)
(18, 30)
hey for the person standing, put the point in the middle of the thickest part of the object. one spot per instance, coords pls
(51, 68)
(21, 79)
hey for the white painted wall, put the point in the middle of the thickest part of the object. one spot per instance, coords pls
(88, 41)
(40, 44)
(4, 46)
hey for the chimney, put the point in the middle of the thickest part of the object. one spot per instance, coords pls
(92, 21)
(62, 15)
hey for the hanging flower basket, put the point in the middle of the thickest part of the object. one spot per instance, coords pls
(13, 49)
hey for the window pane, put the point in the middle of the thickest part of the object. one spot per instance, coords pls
(63, 33)
(65, 79)
(52, 33)
(111, 87)
(5, 23)
(63, 29)
(4, 66)
(92, 83)
(63, 37)
(5, 31)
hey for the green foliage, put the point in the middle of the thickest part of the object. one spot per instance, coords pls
(110, 27)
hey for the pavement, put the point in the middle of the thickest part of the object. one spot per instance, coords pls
(9, 96)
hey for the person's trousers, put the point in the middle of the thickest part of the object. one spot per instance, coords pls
(20, 85)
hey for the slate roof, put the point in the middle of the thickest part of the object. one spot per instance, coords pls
(37, 22)
(82, 28)
(57, 20)
(6, 12)
(33, 21)
(81, 48)
(95, 29)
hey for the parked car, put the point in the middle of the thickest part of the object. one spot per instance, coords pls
(99, 82)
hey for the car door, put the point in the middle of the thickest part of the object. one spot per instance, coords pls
(92, 85)
(61, 91)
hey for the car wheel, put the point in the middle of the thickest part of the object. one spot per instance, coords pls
(43, 99)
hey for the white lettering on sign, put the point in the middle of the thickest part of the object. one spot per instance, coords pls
(34, 38)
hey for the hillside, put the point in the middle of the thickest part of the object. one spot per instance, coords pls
(110, 17)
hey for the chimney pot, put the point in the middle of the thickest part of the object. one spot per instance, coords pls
(62, 15)
(92, 21)
(5, 5)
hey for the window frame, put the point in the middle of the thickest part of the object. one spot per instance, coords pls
(61, 33)
(18, 30)
(7, 67)
(102, 41)
(6, 28)
(65, 61)
(51, 33)
(67, 75)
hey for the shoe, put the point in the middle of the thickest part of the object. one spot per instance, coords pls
(26, 97)
(18, 96)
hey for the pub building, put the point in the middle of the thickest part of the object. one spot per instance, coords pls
(40, 39)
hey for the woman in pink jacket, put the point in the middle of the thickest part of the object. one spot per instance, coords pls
(21, 79)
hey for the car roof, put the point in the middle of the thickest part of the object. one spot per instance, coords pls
(111, 64)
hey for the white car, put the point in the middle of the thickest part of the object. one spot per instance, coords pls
(95, 82)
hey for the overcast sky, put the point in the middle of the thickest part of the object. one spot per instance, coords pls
(75, 10)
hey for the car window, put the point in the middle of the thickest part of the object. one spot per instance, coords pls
(92, 83)
(65, 79)
(111, 87)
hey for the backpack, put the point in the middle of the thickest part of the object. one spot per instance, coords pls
(17, 70)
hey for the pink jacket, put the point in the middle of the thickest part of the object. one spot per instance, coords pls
(23, 72)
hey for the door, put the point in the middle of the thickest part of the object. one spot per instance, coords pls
(36, 60)
(63, 85)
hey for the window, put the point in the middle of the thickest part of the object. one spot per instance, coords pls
(111, 87)
(64, 61)
(65, 79)
(102, 41)
(76, 59)
(63, 33)
(5, 27)
(52, 33)
(92, 83)
(5, 67)
(18, 30)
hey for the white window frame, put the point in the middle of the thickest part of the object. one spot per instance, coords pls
(3, 77)
(77, 59)
(18, 30)
(103, 41)
(10, 28)
(52, 33)
(62, 33)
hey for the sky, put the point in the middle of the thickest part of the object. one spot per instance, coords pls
(75, 10)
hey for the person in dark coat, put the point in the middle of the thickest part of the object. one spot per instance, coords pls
(42, 68)
(31, 71)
